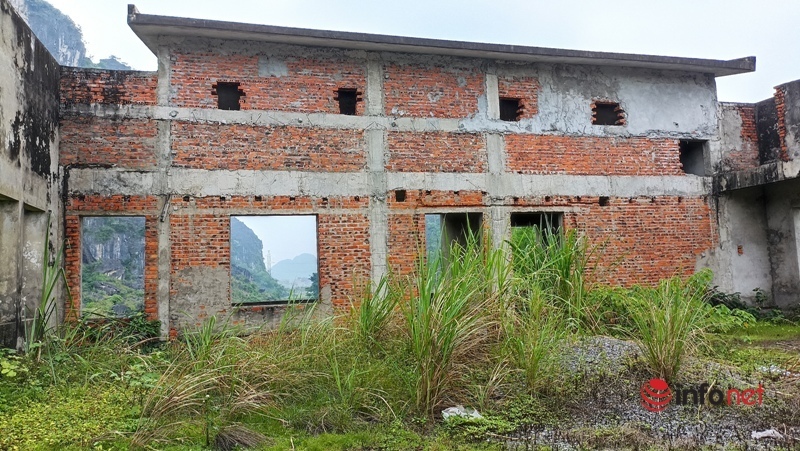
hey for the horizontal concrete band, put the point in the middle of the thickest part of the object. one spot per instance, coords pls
(271, 118)
(199, 182)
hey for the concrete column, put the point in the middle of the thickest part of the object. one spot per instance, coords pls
(374, 92)
(492, 94)
(10, 236)
(34, 227)
(378, 210)
(162, 295)
(164, 68)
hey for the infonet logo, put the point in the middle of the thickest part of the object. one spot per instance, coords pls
(657, 394)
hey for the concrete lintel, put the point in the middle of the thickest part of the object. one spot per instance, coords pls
(197, 182)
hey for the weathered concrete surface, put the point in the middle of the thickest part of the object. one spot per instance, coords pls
(742, 261)
(783, 228)
(791, 111)
(29, 96)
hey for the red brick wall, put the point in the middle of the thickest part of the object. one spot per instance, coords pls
(426, 91)
(200, 236)
(213, 146)
(780, 104)
(85, 86)
(524, 88)
(435, 198)
(406, 241)
(641, 239)
(436, 152)
(545, 154)
(309, 85)
(126, 143)
(80, 205)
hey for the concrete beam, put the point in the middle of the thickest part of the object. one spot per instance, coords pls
(198, 182)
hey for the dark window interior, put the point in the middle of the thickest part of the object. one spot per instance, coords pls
(228, 95)
(400, 195)
(347, 98)
(510, 109)
(607, 113)
(542, 220)
(691, 155)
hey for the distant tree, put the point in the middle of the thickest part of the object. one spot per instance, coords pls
(313, 290)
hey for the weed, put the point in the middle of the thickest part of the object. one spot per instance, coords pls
(445, 318)
(670, 321)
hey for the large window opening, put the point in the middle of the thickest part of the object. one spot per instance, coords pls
(545, 222)
(112, 266)
(274, 259)
(443, 230)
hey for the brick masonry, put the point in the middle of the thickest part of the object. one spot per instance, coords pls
(291, 83)
(547, 154)
(745, 156)
(423, 91)
(87, 86)
(187, 236)
(436, 152)
(117, 142)
(211, 146)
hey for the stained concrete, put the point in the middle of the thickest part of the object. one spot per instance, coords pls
(29, 180)
(783, 234)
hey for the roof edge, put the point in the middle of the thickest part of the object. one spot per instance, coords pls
(149, 27)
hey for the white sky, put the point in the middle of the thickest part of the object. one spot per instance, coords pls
(717, 29)
(285, 237)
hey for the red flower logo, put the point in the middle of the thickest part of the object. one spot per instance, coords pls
(656, 395)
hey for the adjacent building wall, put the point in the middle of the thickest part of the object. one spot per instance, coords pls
(29, 181)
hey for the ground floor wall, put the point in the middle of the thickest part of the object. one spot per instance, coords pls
(188, 241)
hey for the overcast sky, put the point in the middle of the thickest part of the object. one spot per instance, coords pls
(717, 29)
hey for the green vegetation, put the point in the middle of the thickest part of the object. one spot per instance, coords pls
(477, 329)
(112, 266)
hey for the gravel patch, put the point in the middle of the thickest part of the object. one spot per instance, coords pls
(606, 411)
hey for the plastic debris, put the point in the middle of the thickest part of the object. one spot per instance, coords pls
(461, 411)
(769, 433)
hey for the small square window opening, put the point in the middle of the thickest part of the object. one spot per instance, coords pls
(511, 109)
(347, 98)
(607, 113)
(228, 95)
(692, 157)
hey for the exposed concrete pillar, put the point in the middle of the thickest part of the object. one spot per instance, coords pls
(374, 92)
(492, 94)
(32, 263)
(164, 68)
(378, 210)
(10, 237)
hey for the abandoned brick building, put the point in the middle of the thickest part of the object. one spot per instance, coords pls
(375, 137)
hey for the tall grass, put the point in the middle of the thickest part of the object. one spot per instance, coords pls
(670, 321)
(447, 317)
(556, 264)
(371, 316)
